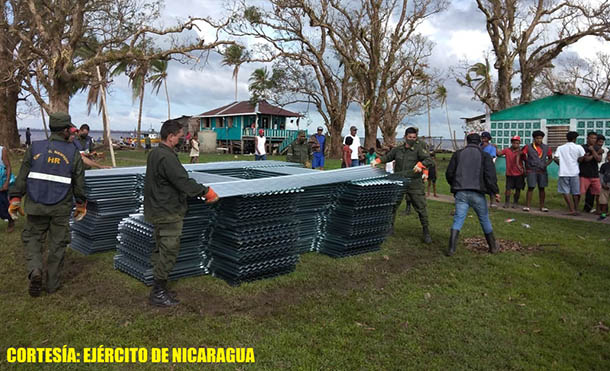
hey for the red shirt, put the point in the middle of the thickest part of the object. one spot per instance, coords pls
(347, 155)
(514, 165)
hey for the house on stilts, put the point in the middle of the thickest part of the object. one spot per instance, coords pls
(236, 124)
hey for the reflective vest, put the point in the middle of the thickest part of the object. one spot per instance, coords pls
(50, 177)
(86, 148)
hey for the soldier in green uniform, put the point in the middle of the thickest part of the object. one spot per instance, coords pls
(411, 160)
(166, 189)
(300, 151)
(51, 176)
(408, 201)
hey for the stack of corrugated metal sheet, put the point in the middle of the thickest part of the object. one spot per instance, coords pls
(254, 237)
(136, 243)
(360, 217)
(112, 195)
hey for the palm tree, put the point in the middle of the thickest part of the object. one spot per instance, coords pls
(159, 76)
(235, 55)
(482, 76)
(441, 95)
(260, 83)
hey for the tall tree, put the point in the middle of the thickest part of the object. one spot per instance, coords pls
(235, 55)
(441, 95)
(372, 37)
(534, 33)
(158, 78)
(61, 27)
(477, 77)
(303, 50)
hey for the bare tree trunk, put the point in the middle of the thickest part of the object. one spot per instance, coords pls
(336, 139)
(107, 136)
(527, 83)
(504, 87)
(449, 124)
(371, 124)
(42, 113)
(9, 133)
(138, 133)
(236, 88)
(59, 99)
(167, 96)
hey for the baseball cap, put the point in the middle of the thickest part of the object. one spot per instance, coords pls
(485, 134)
(320, 128)
(353, 128)
(261, 131)
(516, 137)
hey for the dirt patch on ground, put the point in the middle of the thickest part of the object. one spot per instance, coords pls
(479, 244)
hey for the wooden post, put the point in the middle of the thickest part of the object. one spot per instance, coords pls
(105, 114)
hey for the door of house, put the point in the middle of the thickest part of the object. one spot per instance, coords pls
(556, 135)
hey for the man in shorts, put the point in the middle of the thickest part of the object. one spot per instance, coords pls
(514, 171)
(568, 156)
(589, 171)
(537, 157)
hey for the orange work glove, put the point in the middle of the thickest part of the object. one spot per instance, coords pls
(425, 173)
(376, 162)
(419, 167)
(80, 211)
(210, 196)
(14, 209)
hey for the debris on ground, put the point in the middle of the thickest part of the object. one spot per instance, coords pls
(479, 244)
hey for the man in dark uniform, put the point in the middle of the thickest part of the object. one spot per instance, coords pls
(51, 176)
(147, 145)
(300, 151)
(166, 189)
(84, 144)
(411, 161)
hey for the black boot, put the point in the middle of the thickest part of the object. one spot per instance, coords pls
(35, 283)
(427, 238)
(491, 241)
(453, 241)
(159, 296)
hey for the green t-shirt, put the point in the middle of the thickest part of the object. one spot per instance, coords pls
(370, 158)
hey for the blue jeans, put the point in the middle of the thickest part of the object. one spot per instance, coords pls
(467, 199)
(355, 162)
(260, 157)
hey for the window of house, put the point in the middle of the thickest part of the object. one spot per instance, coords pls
(229, 122)
(220, 123)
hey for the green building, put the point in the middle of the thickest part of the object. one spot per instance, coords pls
(555, 115)
(237, 123)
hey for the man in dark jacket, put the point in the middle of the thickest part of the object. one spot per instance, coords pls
(166, 189)
(471, 175)
(52, 177)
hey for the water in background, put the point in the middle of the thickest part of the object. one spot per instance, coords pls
(97, 135)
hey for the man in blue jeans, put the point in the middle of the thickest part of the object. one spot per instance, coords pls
(472, 175)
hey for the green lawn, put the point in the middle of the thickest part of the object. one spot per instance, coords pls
(404, 307)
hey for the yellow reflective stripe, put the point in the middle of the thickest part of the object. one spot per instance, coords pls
(50, 178)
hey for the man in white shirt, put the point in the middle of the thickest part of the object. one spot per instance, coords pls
(355, 147)
(600, 142)
(260, 153)
(568, 156)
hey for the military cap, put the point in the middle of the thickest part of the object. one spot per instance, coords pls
(59, 121)
(302, 132)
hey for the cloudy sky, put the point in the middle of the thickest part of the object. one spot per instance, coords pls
(458, 33)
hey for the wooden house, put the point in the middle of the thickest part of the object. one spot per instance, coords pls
(237, 123)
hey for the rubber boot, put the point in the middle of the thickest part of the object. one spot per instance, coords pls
(159, 296)
(35, 283)
(427, 238)
(491, 241)
(453, 241)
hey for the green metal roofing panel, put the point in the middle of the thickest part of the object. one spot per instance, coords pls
(556, 107)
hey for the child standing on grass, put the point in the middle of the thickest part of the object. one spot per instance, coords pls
(347, 152)
(432, 175)
(604, 176)
(371, 156)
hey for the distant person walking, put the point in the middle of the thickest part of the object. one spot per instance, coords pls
(147, 144)
(355, 146)
(260, 141)
(471, 175)
(514, 171)
(568, 156)
(537, 157)
(194, 149)
(28, 137)
(589, 170)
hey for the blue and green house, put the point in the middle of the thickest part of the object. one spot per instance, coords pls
(236, 124)
(554, 115)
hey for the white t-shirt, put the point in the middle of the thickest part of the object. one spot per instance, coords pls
(568, 155)
(604, 156)
(260, 145)
(354, 147)
(194, 148)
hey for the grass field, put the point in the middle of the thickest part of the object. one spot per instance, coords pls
(404, 307)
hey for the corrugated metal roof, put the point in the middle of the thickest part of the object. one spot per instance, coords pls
(558, 106)
(247, 108)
